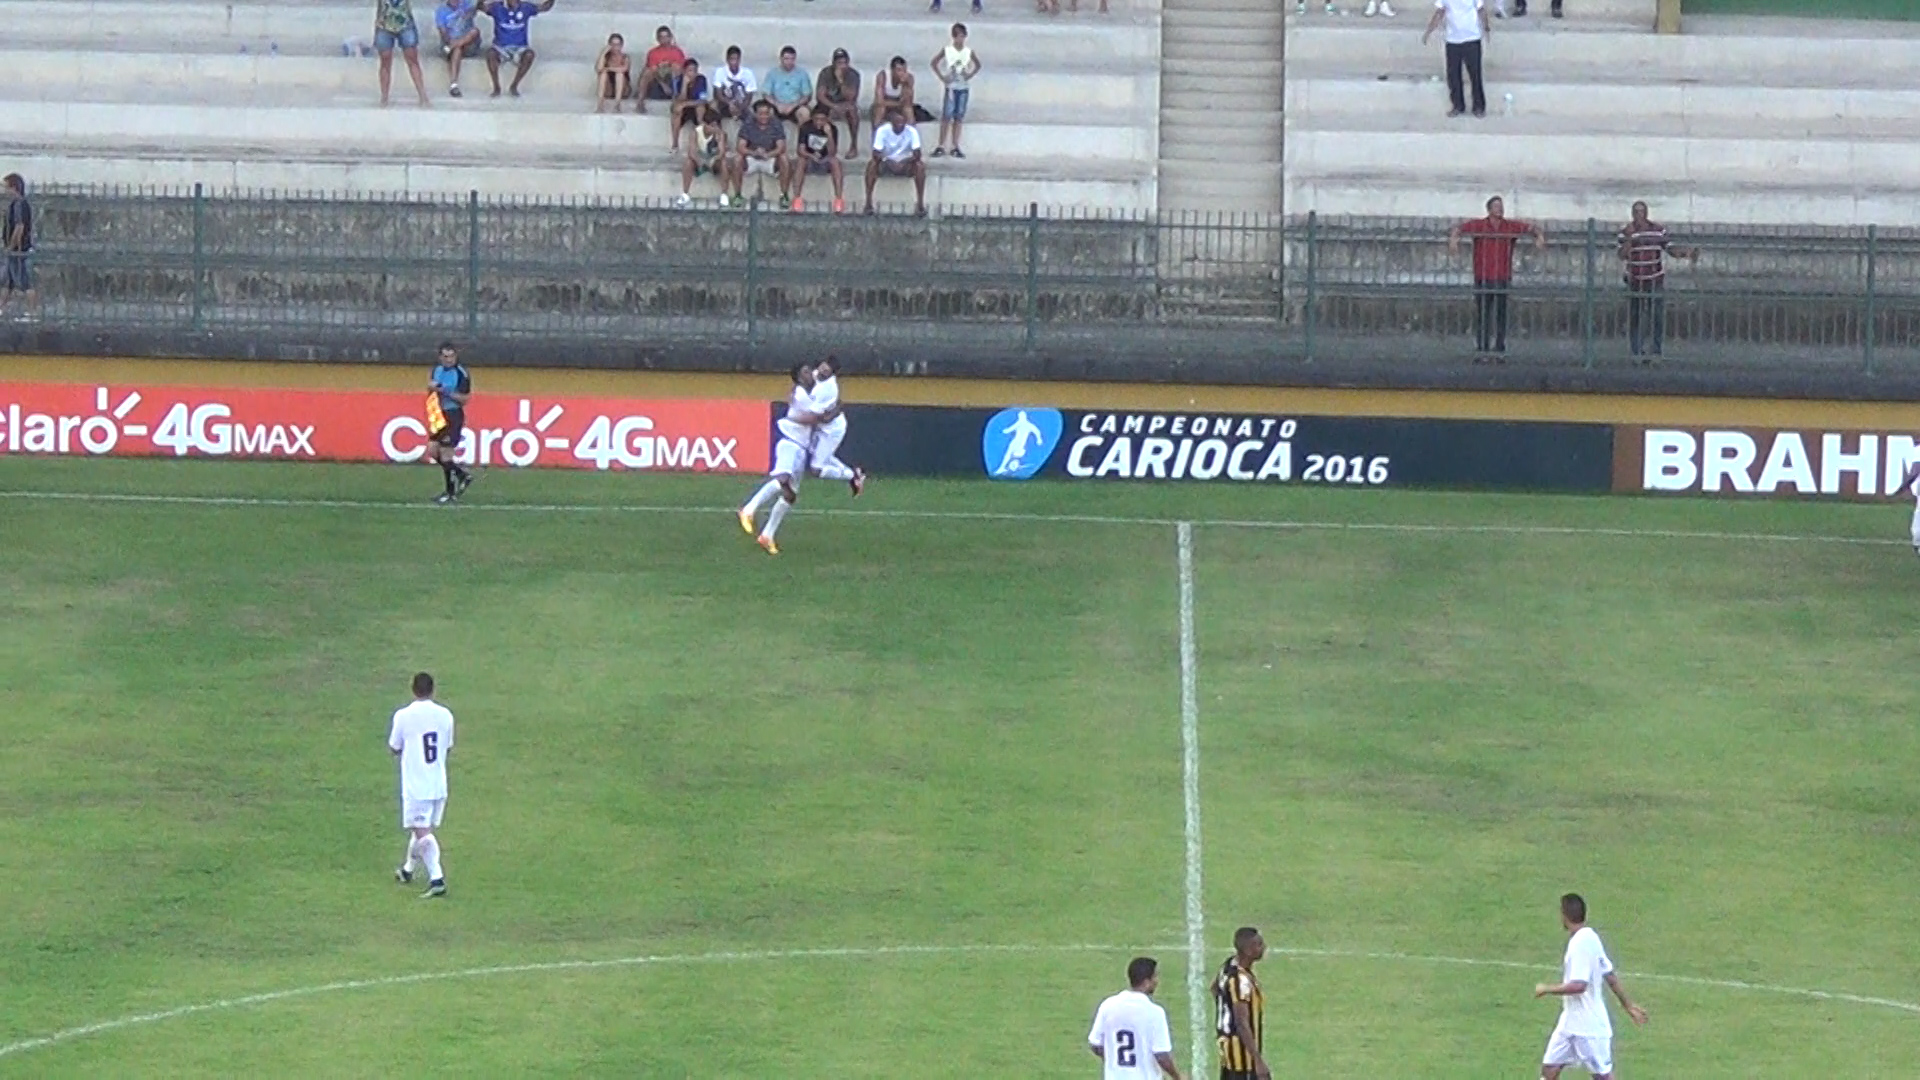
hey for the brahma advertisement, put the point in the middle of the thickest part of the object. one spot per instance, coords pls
(1763, 462)
(679, 435)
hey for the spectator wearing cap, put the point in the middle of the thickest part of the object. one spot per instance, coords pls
(896, 152)
(955, 66)
(661, 70)
(837, 93)
(893, 89)
(734, 87)
(790, 88)
(1493, 238)
(1644, 247)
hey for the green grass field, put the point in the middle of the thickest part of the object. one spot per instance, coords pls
(901, 802)
(1808, 9)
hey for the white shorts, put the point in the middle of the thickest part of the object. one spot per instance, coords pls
(789, 459)
(826, 442)
(760, 166)
(1916, 526)
(1593, 1053)
(421, 813)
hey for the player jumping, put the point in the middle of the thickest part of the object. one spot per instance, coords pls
(789, 460)
(829, 433)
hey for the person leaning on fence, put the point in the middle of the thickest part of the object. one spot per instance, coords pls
(1493, 239)
(16, 276)
(1644, 247)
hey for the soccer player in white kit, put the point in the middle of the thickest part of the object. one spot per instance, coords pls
(421, 738)
(789, 460)
(832, 429)
(1910, 485)
(1584, 1036)
(1130, 1033)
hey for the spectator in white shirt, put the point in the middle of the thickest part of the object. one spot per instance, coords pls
(896, 152)
(734, 87)
(1467, 27)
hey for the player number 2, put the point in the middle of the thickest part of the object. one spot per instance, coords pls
(1123, 1052)
(430, 746)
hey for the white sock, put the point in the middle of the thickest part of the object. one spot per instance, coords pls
(775, 517)
(412, 844)
(430, 850)
(833, 469)
(767, 491)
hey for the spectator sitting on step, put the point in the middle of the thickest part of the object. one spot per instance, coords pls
(761, 147)
(612, 74)
(819, 154)
(663, 65)
(734, 87)
(512, 46)
(893, 89)
(790, 88)
(955, 65)
(896, 152)
(691, 98)
(393, 25)
(837, 93)
(706, 153)
(459, 38)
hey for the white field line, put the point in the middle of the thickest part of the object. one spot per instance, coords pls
(1197, 1026)
(966, 515)
(250, 1000)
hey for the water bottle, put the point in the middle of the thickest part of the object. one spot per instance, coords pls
(1509, 103)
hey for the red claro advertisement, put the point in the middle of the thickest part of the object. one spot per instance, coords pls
(678, 435)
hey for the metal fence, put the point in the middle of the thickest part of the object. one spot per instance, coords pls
(982, 281)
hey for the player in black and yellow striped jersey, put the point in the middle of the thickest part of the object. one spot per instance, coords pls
(1239, 1009)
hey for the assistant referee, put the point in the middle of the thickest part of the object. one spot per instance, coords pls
(1240, 1008)
(448, 388)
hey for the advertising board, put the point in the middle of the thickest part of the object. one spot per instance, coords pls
(693, 435)
(1762, 462)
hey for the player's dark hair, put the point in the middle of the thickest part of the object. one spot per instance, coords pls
(832, 363)
(733, 51)
(1140, 970)
(1243, 937)
(423, 686)
(1573, 907)
(797, 369)
(788, 50)
(448, 346)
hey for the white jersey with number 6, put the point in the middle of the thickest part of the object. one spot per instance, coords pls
(422, 734)
(1129, 1030)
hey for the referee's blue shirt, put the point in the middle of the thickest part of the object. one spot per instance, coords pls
(450, 380)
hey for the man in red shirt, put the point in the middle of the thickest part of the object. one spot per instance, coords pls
(1644, 246)
(664, 62)
(1493, 240)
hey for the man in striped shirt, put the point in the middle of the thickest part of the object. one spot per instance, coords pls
(1644, 247)
(1240, 1008)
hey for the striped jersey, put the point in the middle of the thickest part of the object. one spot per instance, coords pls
(1235, 985)
(1644, 247)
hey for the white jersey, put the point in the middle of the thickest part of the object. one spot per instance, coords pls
(826, 398)
(422, 734)
(1585, 1014)
(797, 425)
(1128, 1030)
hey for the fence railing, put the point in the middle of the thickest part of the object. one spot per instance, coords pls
(980, 280)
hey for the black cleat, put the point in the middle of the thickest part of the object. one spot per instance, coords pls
(445, 498)
(435, 890)
(465, 481)
(403, 875)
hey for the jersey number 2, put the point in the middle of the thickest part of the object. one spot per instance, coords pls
(430, 746)
(1123, 1050)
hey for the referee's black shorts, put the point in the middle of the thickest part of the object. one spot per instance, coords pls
(449, 436)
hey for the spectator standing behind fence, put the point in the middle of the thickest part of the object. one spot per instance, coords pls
(459, 38)
(393, 25)
(1644, 247)
(612, 73)
(663, 65)
(1493, 239)
(837, 93)
(955, 66)
(18, 273)
(1467, 29)
(512, 44)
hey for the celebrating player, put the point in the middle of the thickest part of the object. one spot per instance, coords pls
(1130, 1030)
(422, 736)
(789, 459)
(1584, 1035)
(1240, 1009)
(448, 388)
(829, 433)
